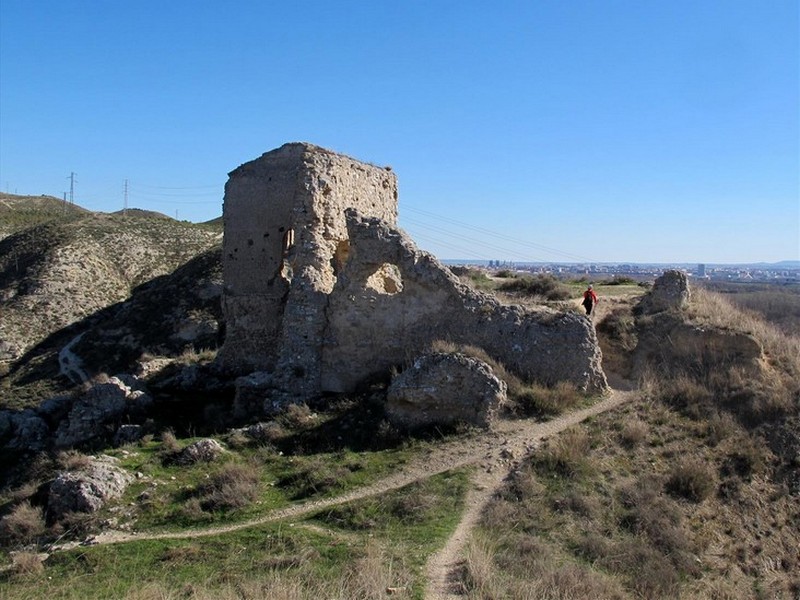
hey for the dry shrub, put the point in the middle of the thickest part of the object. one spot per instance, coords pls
(719, 427)
(648, 573)
(657, 519)
(567, 455)
(540, 400)
(72, 460)
(27, 563)
(692, 480)
(169, 443)
(634, 433)
(314, 477)
(78, 524)
(297, 416)
(747, 459)
(233, 486)
(413, 506)
(22, 525)
(620, 326)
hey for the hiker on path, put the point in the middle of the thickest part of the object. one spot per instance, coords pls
(589, 300)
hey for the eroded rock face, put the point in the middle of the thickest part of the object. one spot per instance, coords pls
(87, 489)
(670, 292)
(444, 389)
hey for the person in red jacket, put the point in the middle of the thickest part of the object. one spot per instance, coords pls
(589, 300)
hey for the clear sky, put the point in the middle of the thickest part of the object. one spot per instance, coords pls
(602, 130)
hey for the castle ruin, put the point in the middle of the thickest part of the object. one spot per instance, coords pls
(323, 291)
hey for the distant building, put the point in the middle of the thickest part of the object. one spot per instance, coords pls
(701, 270)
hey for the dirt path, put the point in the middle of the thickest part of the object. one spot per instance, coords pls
(495, 454)
(442, 567)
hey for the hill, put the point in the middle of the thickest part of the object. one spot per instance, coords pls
(22, 212)
(56, 274)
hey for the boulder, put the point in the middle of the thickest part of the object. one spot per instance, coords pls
(23, 430)
(206, 450)
(444, 389)
(87, 489)
(128, 434)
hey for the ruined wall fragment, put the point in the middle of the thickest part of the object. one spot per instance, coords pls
(371, 330)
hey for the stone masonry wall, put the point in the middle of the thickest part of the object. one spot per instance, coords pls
(285, 238)
(392, 300)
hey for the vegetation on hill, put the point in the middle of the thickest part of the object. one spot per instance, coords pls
(64, 272)
(18, 213)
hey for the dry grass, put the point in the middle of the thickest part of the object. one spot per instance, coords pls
(634, 433)
(72, 460)
(25, 564)
(373, 576)
(233, 486)
(566, 455)
(22, 525)
(692, 480)
(524, 398)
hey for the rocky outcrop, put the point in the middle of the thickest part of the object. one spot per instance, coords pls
(670, 292)
(88, 489)
(23, 431)
(445, 389)
(97, 412)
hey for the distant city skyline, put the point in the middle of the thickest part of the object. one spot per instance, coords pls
(580, 131)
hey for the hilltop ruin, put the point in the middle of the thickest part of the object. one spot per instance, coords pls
(323, 291)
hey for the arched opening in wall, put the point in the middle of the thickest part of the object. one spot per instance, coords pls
(386, 280)
(340, 256)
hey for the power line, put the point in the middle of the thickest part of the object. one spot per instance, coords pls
(500, 236)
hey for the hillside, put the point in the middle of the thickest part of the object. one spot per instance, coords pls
(684, 486)
(57, 274)
(22, 212)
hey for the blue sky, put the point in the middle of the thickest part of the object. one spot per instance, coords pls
(604, 130)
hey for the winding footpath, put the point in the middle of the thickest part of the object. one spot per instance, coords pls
(495, 454)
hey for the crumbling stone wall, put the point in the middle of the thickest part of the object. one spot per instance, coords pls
(285, 238)
(373, 327)
(322, 291)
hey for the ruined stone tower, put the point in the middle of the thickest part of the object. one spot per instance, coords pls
(285, 239)
(323, 292)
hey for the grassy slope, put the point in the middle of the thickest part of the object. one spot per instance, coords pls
(679, 495)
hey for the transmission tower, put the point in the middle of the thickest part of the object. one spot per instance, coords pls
(125, 206)
(71, 188)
